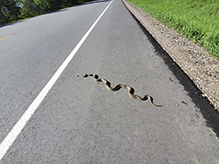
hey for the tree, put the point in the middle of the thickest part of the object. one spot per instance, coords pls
(10, 10)
(30, 8)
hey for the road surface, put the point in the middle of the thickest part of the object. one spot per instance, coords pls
(77, 120)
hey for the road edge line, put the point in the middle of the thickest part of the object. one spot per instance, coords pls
(19, 126)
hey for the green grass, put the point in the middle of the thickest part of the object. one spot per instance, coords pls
(198, 20)
(13, 21)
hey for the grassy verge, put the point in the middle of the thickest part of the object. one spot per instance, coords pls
(13, 21)
(198, 20)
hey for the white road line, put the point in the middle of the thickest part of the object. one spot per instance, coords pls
(16, 130)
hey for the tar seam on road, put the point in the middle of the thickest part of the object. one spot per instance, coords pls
(5, 37)
(18, 127)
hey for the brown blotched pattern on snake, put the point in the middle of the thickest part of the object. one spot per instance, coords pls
(117, 87)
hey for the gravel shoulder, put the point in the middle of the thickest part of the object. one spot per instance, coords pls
(195, 61)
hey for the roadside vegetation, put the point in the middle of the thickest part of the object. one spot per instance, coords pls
(15, 10)
(198, 20)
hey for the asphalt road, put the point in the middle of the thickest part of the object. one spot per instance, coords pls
(79, 120)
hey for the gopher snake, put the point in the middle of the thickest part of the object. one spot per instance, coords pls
(117, 87)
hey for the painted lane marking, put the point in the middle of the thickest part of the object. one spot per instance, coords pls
(5, 37)
(19, 126)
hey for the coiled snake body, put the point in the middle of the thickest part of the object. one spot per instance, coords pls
(117, 87)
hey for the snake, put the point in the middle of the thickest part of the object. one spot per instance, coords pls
(119, 86)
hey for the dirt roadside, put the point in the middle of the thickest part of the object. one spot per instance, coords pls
(195, 61)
